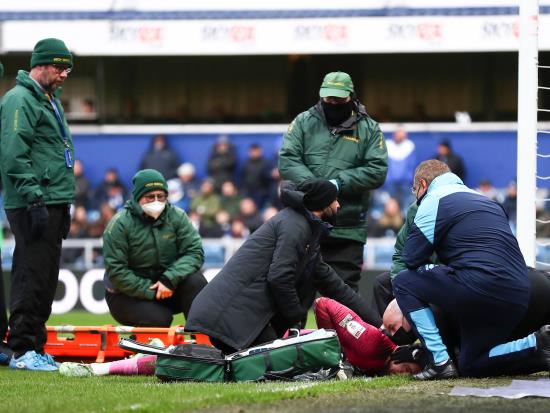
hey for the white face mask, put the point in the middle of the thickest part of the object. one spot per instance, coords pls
(153, 209)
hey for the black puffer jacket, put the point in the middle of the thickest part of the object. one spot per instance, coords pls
(275, 274)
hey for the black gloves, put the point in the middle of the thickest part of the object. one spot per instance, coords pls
(39, 215)
(408, 354)
(66, 223)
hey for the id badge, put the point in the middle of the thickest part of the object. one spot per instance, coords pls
(68, 158)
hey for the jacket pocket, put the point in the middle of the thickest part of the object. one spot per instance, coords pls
(45, 178)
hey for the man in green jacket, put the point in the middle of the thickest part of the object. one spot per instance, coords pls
(153, 256)
(36, 154)
(337, 140)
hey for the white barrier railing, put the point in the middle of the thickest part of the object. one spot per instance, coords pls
(377, 255)
(374, 249)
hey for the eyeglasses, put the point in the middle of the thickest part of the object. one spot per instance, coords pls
(60, 69)
(153, 197)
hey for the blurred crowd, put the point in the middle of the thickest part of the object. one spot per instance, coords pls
(235, 199)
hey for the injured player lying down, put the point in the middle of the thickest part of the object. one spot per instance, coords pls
(365, 347)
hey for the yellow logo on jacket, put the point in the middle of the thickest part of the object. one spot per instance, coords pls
(351, 138)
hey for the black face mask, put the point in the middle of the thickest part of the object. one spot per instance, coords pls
(402, 337)
(336, 114)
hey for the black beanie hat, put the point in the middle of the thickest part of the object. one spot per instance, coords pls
(318, 193)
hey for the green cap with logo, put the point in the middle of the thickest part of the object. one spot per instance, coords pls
(148, 180)
(337, 84)
(51, 52)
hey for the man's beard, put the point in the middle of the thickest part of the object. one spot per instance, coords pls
(329, 215)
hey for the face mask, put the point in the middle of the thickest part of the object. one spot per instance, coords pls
(336, 114)
(153, 209)
(402, 337)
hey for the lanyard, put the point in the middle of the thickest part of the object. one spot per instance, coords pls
(59, 119)
(67, 151)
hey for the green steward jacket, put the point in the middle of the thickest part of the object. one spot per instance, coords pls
(32, 158)
(140, 251)
(398, 264)
(354, 154)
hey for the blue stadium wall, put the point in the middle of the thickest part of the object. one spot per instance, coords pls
(487, 155)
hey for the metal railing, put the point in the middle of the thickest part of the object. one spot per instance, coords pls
(377, 256)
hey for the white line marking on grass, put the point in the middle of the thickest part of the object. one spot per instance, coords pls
(290, 387)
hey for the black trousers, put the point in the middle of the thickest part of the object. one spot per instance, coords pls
(345, 257)
(382, 292)
(34, 277)
(137, 312)
(3, 316)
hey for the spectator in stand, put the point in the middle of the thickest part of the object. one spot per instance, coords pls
(231, 200)
(207, 204)
(96, 228)
(487, 189)
(390, 222)
(79, 224)
(161, 157)
(269, 213)
(274, 197)
(222, 162)
(510, 204)
(184, 188)
(111, 190)
(221, 227)
(195, 220)
(83, 188)
(446, 155)
(401, 165)
(79, 230)
(249, 215)
(256, 176)
(239, 229)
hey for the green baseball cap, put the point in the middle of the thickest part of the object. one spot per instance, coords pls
(337, 84)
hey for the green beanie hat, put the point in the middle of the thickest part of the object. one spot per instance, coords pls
(51, 52)
(1, 70)
(147, 180)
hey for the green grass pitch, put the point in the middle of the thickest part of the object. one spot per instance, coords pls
(52, 393)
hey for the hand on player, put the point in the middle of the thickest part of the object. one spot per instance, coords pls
(162, 291)
(407, 354)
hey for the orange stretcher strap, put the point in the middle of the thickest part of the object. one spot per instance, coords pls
(100, 343)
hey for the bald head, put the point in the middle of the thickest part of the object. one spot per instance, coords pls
(393, 318)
